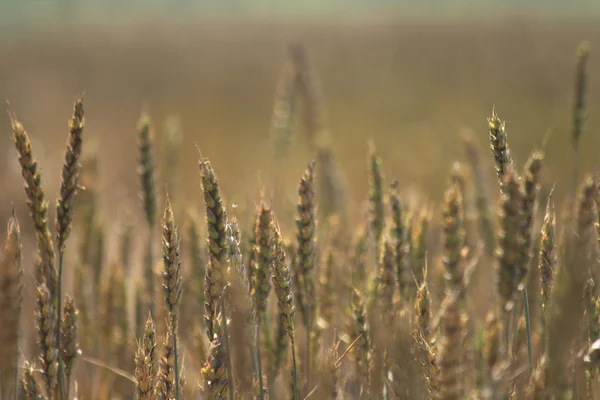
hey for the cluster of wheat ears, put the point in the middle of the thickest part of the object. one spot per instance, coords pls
(326, 310)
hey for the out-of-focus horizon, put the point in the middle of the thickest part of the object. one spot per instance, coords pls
(410, 78)
(110, 12)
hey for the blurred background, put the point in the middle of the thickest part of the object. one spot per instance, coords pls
(409, 75)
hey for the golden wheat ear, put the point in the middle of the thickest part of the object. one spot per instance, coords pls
(147, 361)
(172, 284)
(548, 260)
(450, 380)
(11, 298)
(530, 188)
(239, 307)
(69, 345)
(387, 276)
(420, 243)
(306, 239)
(306, 257)
(263, 259)
(453, 236)
(216, 220)
(282, 282)
(38, 207)
(29, 383)
(144, 388)
(168, 386)
(70, 176)
(214, 377)
(509, 244)
(46, 330)
(360, 328)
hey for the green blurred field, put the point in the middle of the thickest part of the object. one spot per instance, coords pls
(409, 84)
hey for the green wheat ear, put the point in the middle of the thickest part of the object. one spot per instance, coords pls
(579, 107)
(147, 177)
(376, 204)
(580, 103)
(147, 169)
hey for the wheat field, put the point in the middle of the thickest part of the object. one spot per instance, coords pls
(385, 207)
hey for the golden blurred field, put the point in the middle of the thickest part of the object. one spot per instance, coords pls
(412, 86)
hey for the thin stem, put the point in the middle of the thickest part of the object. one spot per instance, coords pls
(515, 314)
(176, 356)
(487, 226)
(544, 323)
(308, 332)
(61, 381)
(506, 321)
(117, 371)
(575, 168)
(528, 327)
(294, 368)
(278, 179)
(227, 351)
(150, 270)
(259, 360)
(254, 363)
